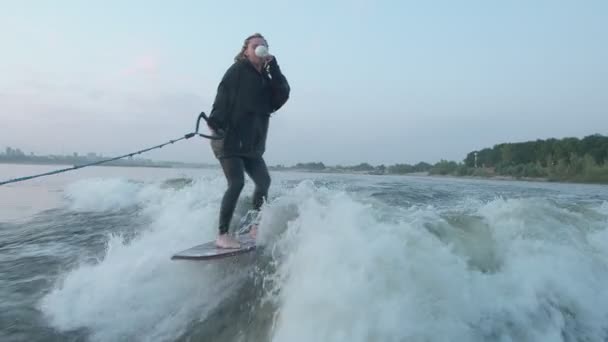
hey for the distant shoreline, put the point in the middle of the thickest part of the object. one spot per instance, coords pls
(502, 178)
(422, 174)
(449, 176)
(570, 160)
(328, 170)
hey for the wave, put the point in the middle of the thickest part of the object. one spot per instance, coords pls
(335, 267)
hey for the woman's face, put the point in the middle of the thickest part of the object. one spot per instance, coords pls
(250, 52)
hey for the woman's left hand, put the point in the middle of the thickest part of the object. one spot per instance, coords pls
(268, 59)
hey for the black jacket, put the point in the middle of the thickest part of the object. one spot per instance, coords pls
(242, 107)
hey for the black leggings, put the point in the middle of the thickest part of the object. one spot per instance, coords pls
(234, 169)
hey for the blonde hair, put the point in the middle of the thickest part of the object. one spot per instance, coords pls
(241, 54)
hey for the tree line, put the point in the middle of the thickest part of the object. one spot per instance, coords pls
(567, 159)
(542, 152)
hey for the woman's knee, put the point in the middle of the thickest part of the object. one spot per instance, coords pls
(236, 184)
(264, 182)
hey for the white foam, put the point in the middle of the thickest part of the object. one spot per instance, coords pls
(343, 276)
(136, 292)
(101, 195)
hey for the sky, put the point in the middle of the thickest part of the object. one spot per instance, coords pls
(381, 82)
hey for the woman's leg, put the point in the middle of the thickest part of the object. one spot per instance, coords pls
(234, 172)
(257, 170)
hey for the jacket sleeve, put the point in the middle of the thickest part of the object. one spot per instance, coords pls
(280, 87)
(225, 97)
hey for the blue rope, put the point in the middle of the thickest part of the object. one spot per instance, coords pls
(76, 167)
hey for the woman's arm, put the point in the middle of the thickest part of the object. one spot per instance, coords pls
(223, 103)
(280, 86)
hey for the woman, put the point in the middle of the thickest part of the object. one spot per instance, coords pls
(252, 88)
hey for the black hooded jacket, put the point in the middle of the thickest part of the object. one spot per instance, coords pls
(242, 107)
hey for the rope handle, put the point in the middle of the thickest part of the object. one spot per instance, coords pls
(202, 115)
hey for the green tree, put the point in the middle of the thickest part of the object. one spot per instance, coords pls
(506, 154)
(444, 167)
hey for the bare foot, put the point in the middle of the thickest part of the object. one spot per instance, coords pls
(227, 241)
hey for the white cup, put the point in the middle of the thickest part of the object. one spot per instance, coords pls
(261, 51)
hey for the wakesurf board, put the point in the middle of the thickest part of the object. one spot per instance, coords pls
(209, 251)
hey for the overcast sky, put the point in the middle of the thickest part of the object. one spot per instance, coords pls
(372, 81)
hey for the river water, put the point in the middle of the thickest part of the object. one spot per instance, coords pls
(85, 256)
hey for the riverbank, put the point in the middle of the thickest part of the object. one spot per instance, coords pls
(330, 170)
(428, 174)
